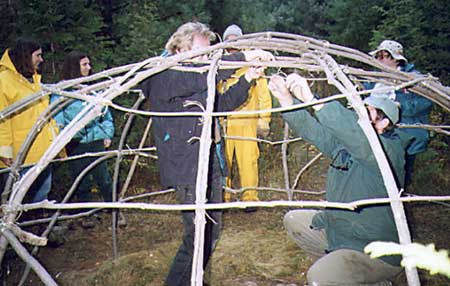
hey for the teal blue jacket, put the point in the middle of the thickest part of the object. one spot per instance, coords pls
(100, 128)
(414, 109)
(353, 175)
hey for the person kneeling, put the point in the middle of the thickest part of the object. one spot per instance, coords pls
(336, 238)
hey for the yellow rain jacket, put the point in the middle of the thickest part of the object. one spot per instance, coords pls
(247, 152)
(15, 128)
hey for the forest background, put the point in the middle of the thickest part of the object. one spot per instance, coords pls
(117, 32)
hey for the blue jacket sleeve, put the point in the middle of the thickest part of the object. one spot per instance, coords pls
(59, 117)
(415, 106)
(107, 124)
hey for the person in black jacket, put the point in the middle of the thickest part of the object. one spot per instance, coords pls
(177, 147)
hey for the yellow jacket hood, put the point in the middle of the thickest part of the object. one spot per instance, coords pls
(15, 128)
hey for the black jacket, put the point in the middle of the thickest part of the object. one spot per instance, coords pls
(167, 92)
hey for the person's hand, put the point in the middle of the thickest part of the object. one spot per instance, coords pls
(107, 143)
(7, 161)
(258, 55)
(254, 73)
(278, 88)
(263, 129)
(299, 87)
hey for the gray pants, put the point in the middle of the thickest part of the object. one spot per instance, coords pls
(340, 267)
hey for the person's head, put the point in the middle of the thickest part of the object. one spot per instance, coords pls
(190, 36)
(232, 32)
(383, 113)
(76, 64)
(26, 55)
(389, 53)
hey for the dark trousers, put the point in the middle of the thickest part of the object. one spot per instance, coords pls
(409, 167)
(99, 173)
(181, 268)
(3, 178)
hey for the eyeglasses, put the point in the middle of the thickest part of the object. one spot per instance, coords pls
(383, 55)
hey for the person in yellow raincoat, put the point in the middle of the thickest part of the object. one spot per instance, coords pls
(246, 152)
(19, 79)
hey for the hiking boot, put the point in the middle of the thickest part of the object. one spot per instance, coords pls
(88, 222)
(250, 209)
(57, 236)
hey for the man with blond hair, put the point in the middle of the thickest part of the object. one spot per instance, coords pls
(178, 153)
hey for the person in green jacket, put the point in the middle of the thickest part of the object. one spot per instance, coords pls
(336, 238)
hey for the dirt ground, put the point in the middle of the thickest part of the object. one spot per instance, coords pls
(253, 250)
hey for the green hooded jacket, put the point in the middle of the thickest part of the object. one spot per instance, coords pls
(353, 175)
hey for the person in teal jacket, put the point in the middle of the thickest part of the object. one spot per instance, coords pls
(414, 109)
(94, 137)
(336, 238)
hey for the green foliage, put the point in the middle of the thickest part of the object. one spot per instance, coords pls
(58, 25)
(118, 32)
(143, 27)
(353, 22)
(252, 16)
(430, 175)
(301, 17)
(424, 30)
(136, 31)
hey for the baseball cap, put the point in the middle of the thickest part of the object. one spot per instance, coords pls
(388, 106)
(393, 47)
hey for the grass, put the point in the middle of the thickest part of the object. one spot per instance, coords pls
(254, 248)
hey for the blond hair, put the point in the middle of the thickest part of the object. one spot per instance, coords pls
(181, 40)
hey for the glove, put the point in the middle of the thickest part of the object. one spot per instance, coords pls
(258, 55)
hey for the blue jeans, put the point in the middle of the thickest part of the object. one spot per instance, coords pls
(41, 186)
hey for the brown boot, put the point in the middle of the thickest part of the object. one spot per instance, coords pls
(88, 222)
